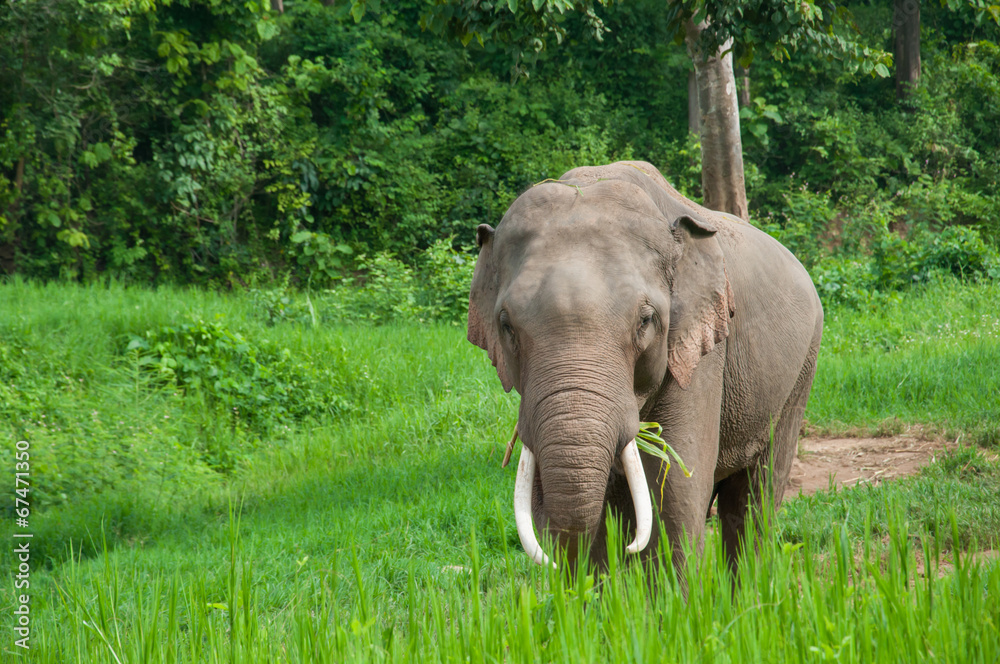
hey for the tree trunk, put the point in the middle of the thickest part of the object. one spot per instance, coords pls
(694, 113)
(722, 183)
(743, 90)
(906, 26)
(278, 6)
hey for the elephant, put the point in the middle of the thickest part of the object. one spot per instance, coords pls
(606, 299)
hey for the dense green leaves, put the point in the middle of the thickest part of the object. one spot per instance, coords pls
(136, 136)
(750, 26)
(199, 141)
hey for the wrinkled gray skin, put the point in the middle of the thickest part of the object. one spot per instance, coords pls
(607, 299)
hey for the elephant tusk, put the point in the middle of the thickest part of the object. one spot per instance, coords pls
(522, 508)
(510, 448)
(640, 497)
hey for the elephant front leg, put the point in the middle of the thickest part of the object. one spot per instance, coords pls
(690, 419)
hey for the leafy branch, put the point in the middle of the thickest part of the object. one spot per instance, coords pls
(650, 441)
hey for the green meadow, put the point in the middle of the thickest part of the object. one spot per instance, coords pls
(210, 483)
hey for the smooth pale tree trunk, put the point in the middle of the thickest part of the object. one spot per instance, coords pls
(278, 6)
(722, 183)
(906, 26)
(694, 113)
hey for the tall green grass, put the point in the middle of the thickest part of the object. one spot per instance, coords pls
(874, 601)
(930, 357)
(384, 532)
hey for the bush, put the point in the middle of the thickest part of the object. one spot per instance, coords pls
(77, 447)
(280, 305)
(250, 387)
(447, 275)
(803, 224)
(845, 281)
(961, 252)
(897, 262)
(386, 291)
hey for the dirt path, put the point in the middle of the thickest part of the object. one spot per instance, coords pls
(855, 461)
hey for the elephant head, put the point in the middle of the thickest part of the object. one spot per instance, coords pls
(591, 294)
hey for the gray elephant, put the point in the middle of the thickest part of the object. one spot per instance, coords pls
(606, 298)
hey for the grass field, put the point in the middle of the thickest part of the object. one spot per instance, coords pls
(207, 487)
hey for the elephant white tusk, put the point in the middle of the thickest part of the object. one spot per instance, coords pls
(640, 497)
(522, 507)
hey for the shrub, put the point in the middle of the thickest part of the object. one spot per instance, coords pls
(280, 305)
(898, 262)
(802, 226)
(383, 290)
(844, 281)
(319, 255)
(962, 252)
(246, 385)
(447, 276)
(387, 290)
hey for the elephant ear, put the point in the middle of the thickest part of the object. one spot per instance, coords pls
(701, 298)
(482, 301)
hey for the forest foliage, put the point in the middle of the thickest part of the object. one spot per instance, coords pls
(220, 143)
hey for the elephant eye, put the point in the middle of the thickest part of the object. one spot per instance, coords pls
(646, 315)
(505, 326)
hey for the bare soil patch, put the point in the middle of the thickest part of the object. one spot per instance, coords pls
(847, 462)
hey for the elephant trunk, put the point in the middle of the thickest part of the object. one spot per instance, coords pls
(572, 437)
(574, 464)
